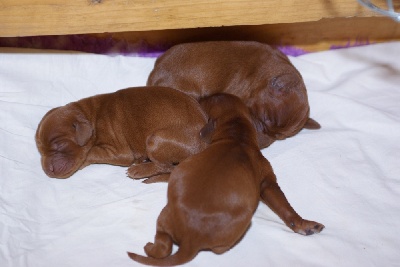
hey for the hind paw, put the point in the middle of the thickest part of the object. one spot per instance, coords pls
(305, 227)
(149, 249)
(156, 251)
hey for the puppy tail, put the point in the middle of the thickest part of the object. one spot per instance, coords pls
(183, 255)
(311, 124)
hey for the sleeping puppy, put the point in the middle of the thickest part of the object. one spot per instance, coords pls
(212, 195)
(261, 76)
(155, 126)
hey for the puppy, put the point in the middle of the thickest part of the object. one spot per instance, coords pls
(261, 76)
(212, 195)
(155, 126)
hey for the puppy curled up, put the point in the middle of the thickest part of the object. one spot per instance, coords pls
(153, 126)
(213, 195)
(263, 77)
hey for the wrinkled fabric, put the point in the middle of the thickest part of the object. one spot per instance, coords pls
(345, 175)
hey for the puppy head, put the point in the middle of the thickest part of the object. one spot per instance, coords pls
(222, 108)
(63, 140)
(287, 110)
(222, 104)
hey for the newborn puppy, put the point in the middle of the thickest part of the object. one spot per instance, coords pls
(155, 126)
(212, 195)
(261, 76)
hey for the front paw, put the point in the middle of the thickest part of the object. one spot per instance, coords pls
(138, 171)
(147, 169)
(305, 227)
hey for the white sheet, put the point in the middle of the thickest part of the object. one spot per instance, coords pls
(345, 175)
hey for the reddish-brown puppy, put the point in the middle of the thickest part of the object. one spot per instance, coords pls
(212, 195)
(261, 76)
(155, 126)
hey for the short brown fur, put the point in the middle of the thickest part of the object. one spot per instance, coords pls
(213, 195)
(154, 126)
(261, 76)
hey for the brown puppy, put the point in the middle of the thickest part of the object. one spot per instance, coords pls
(155, 126)
(261, 76)
(212, 195)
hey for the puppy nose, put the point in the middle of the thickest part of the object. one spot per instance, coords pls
(49, 169)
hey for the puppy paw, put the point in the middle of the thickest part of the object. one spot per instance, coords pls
(156, 250)
(147, 169)
(139, 171)
(149, 249)
(305, 227)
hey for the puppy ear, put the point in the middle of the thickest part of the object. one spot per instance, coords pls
(311, 124)
(83, 131)
(207, 130)
(284, 83)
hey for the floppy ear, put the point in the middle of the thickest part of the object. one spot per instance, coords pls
(311, 124)
(207, 130)
(284, 83)
(83, 131)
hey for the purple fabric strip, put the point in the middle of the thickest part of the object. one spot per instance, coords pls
(110, 46)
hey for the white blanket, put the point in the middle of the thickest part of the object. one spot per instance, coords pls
(345, 175)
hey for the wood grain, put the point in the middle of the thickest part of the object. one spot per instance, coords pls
(310, 36)
(58, 17)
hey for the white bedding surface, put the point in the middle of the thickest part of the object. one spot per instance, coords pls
(345, 175)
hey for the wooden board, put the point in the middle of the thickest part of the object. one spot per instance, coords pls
(309, 36)
(58, 17)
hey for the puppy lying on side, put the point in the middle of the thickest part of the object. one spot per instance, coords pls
(261, 76)
(155, 126)
(212, 195)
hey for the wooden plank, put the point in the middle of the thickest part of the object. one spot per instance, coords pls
(57, 17)
(310, 36)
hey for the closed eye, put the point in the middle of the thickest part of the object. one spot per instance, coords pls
(58, 146)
